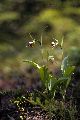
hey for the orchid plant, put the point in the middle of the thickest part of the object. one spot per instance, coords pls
(53, 87)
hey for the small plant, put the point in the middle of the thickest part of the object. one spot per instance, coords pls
(52, 98)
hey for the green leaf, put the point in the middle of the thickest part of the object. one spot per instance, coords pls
(32, 63)
(47, 79)
(64, 64)
(65, 81)
(68, 71)
(68, 82)
(60, 84)
(52, 81)
(41, 94)
(31, 102)
(38, 100)
(42, 71)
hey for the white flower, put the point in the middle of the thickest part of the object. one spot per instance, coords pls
(51, 59)
(31, 44)
(54, 43)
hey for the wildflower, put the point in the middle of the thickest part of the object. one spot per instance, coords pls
(31, 44)
(54, 43)
(51, 59)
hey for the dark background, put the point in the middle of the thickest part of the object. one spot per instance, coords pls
(51, 18)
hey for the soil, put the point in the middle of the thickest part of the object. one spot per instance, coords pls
(10, 111)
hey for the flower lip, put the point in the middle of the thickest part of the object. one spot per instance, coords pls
(53, 44)
(51, 59)
(31, 43)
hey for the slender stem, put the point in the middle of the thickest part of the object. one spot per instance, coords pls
(41, 42)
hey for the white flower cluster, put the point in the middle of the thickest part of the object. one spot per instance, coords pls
(54, 43)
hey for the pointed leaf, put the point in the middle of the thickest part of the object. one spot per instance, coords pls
(64, 64)
(32, 63)
(68, 71)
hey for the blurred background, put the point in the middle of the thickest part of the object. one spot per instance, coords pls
(50, 18)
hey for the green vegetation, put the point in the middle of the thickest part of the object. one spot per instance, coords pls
(46, 86)
(53, 87)
(50, 18)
